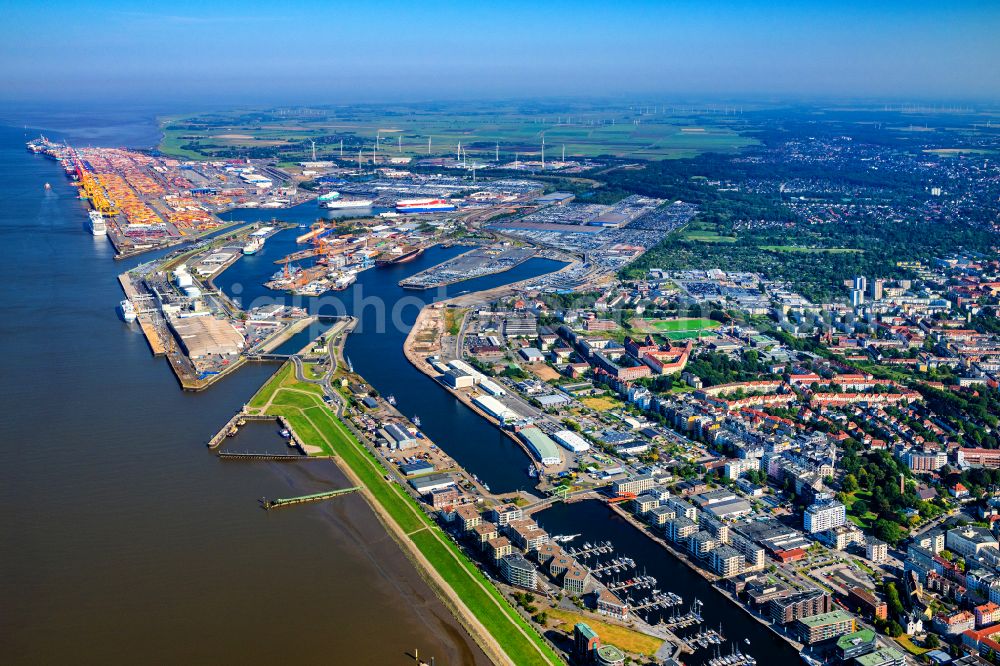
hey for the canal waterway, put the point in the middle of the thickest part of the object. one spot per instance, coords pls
(386, 313)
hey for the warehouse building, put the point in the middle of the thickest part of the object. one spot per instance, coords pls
(399, 438)
(541, 445)
(427, 484)
(206, 336)
(495, 408)
(571, 441)
(457, 379)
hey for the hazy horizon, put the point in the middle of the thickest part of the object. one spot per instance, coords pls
(326, 53)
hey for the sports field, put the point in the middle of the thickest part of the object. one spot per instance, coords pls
(676, 329)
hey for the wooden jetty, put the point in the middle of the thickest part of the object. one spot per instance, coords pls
(303, 499)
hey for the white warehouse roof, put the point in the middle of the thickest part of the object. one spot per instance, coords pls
(572, 441)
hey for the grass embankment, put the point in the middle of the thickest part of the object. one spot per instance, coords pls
(620, 637)
(302, 404)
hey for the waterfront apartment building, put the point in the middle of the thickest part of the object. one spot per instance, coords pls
(575, 581)
(822, 516)
(499, 548)
(468, 517)
(784, 610)
(585, 641)
(682, 508)
(679, 529)
(726, 561)
(505, 514)
(609, 604)
(701, 543)
(754, 555)
(634, 485)
(518, 571)
(528, 537)
(824, 626)
(483, 532)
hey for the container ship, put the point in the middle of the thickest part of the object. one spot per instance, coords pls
(98, 226)
(424, 206)
(398, 255)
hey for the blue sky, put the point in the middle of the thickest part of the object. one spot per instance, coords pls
(329, 52)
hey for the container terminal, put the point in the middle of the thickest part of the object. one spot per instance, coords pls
(146, 202)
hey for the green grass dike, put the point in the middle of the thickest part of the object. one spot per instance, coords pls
(302, 404)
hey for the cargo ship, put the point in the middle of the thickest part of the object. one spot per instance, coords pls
(128, 310)
(98, 226)
(424, 206)
(398, 255)
(332, 201)
(253, 245)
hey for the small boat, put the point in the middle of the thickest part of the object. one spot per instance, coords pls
(391, 400)
(416, 421)
(48, 186)
(285, 432)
